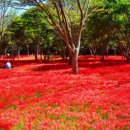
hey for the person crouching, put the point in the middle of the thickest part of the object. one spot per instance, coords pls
(8, 65)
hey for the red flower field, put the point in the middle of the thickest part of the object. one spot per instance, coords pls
(46, 96)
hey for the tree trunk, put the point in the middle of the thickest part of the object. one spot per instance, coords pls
(62, 54)
(128, 55)
(91, 52)
(94, 51)
(107, 50)
(75, 61)
(19, 49)
(41, 54)
(36, 57)
(102, 58)
(70, 59)
(128, 59)
(36, 53)
(28, 50)
(102, 54)
(115, 52)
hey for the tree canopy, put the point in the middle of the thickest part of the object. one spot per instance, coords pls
(105, 26)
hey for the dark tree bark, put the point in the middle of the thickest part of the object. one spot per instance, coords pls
(75, 61)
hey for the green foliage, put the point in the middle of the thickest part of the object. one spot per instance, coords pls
(99, 29)
(107, 26)
(32, 29)
(20, 126)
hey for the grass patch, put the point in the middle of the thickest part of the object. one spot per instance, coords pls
(105, 116)
(20, 126)
(23, 98)
(98, 111)
(13, 106)
(88, 105)
(54, 105)
(38, 94)
(72, 119)
(89, 129)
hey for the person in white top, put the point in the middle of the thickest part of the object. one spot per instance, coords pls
(8, 65)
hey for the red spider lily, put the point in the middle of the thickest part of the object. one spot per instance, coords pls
(34, 95)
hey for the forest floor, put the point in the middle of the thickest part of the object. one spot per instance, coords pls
(46, 96)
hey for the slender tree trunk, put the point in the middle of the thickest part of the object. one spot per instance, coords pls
(41, 54)
(102, 58)
(62, 54)
(102, 54)
(91, 52)
(36, 57)
(5, 51)
(36, 53)
(107, 50)
(28, 50)
(2, 56)
(128, 55)
(115, 52)
(19, 49)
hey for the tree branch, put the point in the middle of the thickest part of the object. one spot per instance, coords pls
(66, 26)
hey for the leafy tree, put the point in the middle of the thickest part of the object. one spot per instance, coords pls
(59, 47)
(99, 30)
(6, 15)
(108, 26)
(31, 31)
(17, 37)
(37, 30)
(123, 18)
(59, 15)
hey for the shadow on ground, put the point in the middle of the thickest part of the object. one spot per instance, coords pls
(90, 64)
